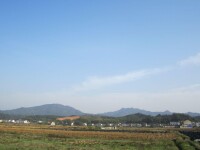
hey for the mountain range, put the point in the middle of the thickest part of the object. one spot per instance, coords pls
(128, 111)
(47, 109)
(61, 110)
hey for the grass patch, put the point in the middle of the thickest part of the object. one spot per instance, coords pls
(44, 138)
(28, 141)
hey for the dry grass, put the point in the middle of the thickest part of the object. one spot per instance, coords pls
(61, 132)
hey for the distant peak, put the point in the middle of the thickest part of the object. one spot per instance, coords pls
(127, 108)
(54, 104)
(167, 111)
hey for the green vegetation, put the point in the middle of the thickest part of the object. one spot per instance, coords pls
(47, 109)
(28, 141)
(43, 137)
(94, 119)
(137, 118)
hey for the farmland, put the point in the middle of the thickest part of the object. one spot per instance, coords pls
(60, 137)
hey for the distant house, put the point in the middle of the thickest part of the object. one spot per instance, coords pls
(108, 128)
(136, 125)
(1, 121)
(110, 125)
(19, 121)
(187, 124)
(72, 124)
(157, 125)
(175, 123)
(40, 121)
(197, 124)
(53, 124)
(26, 122)
(99, 125)
(125, 125)
(84, 124)
(11, 121)
(146, 125)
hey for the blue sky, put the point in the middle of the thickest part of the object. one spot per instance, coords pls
(100, 56)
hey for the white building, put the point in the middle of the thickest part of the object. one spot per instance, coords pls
(197, 124)
(19, 121)
(110, 124)
(136, 125)
(187, 124)
(108, 128)
(53, 124)
(26, 122)
(84, 124)
(40, 121)
(175, 123)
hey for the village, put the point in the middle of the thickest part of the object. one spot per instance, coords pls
(108, 126)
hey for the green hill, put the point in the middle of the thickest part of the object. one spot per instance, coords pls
(48, 109)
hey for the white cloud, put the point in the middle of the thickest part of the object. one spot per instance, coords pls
(192, 60)
(98, 82)
(193, 88)
(187, 97)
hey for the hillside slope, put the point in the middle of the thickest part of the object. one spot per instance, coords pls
(48, 109)
(129, 111)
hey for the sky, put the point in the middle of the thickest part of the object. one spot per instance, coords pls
(100, 56)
